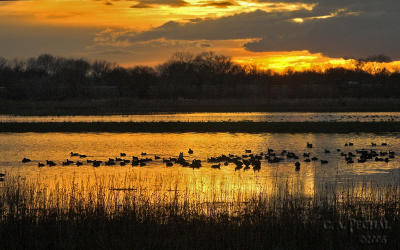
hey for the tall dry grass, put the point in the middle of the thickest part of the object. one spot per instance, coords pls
(182, 214)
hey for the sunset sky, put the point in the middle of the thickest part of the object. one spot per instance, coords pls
(271, 33)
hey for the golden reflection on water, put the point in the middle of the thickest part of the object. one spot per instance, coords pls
(156, 182)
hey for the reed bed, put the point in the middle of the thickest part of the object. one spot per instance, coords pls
(239, 127)
(125, 213)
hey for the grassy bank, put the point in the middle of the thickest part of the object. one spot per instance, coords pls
(132, 106)
(78, 217)
(176, 127)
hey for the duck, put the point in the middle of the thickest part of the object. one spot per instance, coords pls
(190, 151)
(216, 166)
(309, 145)
(50, 163)
(110, 162)
(25, 160)
(122, 154)
(40, 164)
(196, 164)
(96, 163)
(297, 164)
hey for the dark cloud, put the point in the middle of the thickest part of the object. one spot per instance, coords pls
(219, 4)
(323, 6)
(360, 28)
(153, 3)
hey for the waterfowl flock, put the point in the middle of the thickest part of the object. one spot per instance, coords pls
(244, 162)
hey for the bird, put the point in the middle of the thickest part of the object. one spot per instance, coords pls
(25, 160)
(50, 163)
(297, 164)
(190, 151)
(96, 163)
(216, 166)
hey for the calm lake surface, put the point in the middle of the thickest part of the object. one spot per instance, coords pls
(216, 117)
(209, 183)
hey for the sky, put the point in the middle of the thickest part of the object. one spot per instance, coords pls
(269, 33)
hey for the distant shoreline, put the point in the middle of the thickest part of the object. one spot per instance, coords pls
(139, 106)
(202, 127)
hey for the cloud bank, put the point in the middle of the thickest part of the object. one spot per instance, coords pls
(340, 28)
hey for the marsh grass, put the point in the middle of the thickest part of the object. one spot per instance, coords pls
(126, 214)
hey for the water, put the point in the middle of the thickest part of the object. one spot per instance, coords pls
(223, 183)
(216, 117)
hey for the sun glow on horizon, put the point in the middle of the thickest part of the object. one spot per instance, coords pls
(304, 60)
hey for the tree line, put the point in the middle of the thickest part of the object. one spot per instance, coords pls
(187, 76)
